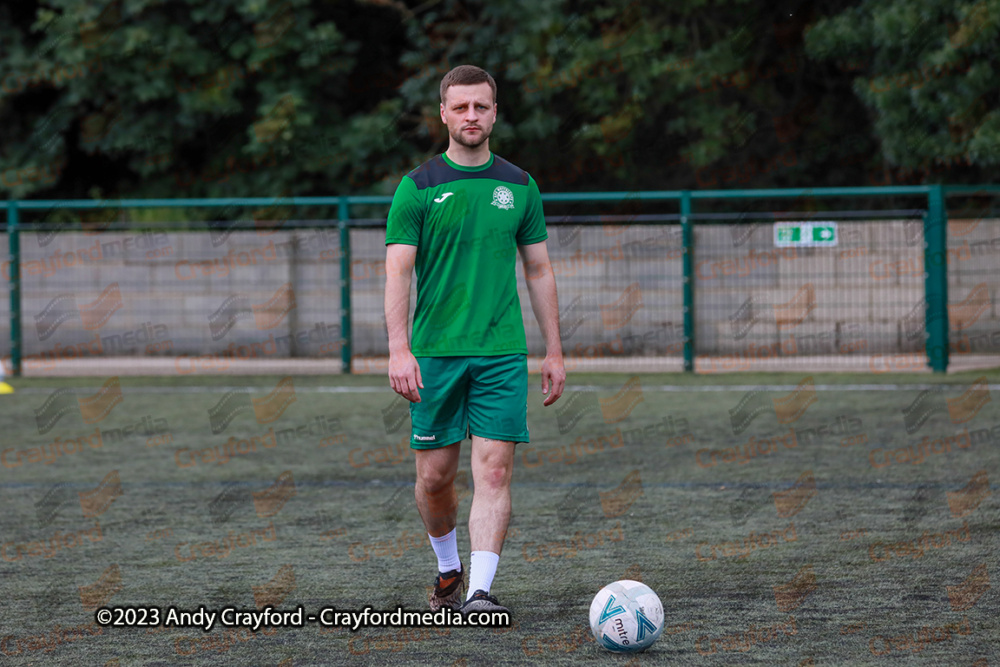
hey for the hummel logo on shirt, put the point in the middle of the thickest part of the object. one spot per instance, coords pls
(443, 197)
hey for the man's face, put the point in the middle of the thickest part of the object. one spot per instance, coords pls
(469, 113)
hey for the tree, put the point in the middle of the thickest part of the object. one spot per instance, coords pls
(153, 98)
(927, 74)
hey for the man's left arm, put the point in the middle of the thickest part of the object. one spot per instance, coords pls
(545, 304)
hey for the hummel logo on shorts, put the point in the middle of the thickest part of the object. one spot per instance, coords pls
(426, 437)
(443, 197)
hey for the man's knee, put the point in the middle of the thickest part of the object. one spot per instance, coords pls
(495, 471)
(434, 480)
(496, 477)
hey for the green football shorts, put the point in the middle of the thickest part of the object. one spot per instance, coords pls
(463, 396)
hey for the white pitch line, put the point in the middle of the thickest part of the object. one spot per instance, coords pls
(202, 389)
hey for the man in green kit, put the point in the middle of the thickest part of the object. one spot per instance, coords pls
(460, 219)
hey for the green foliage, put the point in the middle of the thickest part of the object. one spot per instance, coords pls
(928, 77)
(148, 98)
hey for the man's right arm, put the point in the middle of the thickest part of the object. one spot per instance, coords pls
(402, 236)
(404, 372)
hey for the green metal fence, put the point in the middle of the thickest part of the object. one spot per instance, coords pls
(671, 273)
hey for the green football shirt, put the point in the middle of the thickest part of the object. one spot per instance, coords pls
(467, 223)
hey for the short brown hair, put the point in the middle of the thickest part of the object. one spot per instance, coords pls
(467, 75)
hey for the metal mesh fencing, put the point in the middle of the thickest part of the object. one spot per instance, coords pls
(202, 300)
(238, 296)
(974, 283)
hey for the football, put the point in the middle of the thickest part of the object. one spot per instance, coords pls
(626, 616)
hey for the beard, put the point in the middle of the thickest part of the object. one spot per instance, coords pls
(460, 138)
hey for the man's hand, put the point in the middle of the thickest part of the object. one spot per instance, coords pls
(404, 375)
(554, 377)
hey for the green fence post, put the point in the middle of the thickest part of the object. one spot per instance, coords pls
(343, 214)
(14, 243)
(687, 238)
(936, 279)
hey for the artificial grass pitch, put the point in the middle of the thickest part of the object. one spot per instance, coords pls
(795, 522)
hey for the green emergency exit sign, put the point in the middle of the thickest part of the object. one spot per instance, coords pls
(805, 234)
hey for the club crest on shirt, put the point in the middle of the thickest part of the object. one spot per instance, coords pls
(503, 198)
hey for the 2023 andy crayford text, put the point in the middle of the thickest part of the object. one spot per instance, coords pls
(269, 617)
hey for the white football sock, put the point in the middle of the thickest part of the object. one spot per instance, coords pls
(446, 550)
(482, 569)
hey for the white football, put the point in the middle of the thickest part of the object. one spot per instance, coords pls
(626, 616)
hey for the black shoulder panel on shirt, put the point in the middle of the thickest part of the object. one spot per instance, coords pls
(436, 172)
